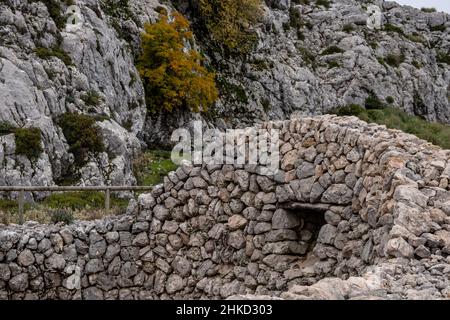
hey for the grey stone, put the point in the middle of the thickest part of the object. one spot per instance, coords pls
(94, 266)
(19, 283)
(182, 266)
(327, 234)
(141, 240)
(112, 237)
(262, 227)
(26, 258)
(410, 194)
(398, 247)
(283, 219)
(332, 218)
(281, 235)
(174, 284)
(55, 262)
(161, 212)
(236, 239)
(305, 170)
(337, 194)
(236, 222)
(92, 293)
(5, 272)
(97, 249)
(265, 183)
(422, 252)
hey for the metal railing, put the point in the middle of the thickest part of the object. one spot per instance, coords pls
(106, 189)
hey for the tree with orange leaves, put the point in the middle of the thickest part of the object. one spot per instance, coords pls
(171, 70)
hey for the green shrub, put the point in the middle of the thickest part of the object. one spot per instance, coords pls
(307, 55)
(391, 28)
(443, 58)
(28, 142)
(390, 100)
(45, 53)
(8, 205)
(394, 60)
(440, 28)
(372, 102)
(415, 37)
(229, 23)
(91, 98)
(349, 110)
(417, 64)
(61, 215)
(82, 135)
(55, 11)
(152, 166)
(332, 50)
(323, 3)
(333, 64)
(81, 200)
(348, 28)
(75, 200)
(295, 18)
(382, 62)
(235, 92)
(260, 64)
(6, 128)
(265, 104)
(393, 118)
(117, 9)
(428, 10)
(374, 45)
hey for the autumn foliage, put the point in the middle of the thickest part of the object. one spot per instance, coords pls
(171, 70)
(230, 22)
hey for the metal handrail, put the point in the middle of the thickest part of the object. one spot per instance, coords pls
(107, 189)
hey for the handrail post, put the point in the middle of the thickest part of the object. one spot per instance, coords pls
(107, 200)
(21, 205)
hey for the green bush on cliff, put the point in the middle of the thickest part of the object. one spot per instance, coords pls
(46, 53)
(82, 135)
(28, 142)
(393, 118)
(229, 23)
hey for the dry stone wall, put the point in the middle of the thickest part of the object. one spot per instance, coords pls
(349, 197)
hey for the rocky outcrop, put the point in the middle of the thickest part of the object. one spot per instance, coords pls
(48, 66)
(355, 211)
(291, 70)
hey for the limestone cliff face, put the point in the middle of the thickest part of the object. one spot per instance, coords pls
(36, 88)
(287, 72)
(291, 71)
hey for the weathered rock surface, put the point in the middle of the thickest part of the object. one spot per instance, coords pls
(290, 71)
(37, 88)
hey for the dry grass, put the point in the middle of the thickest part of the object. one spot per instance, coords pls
(45, 215)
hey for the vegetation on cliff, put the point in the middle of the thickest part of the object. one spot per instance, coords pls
(393, 118)
(229, 22)
(82, 135)
(171, 69)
